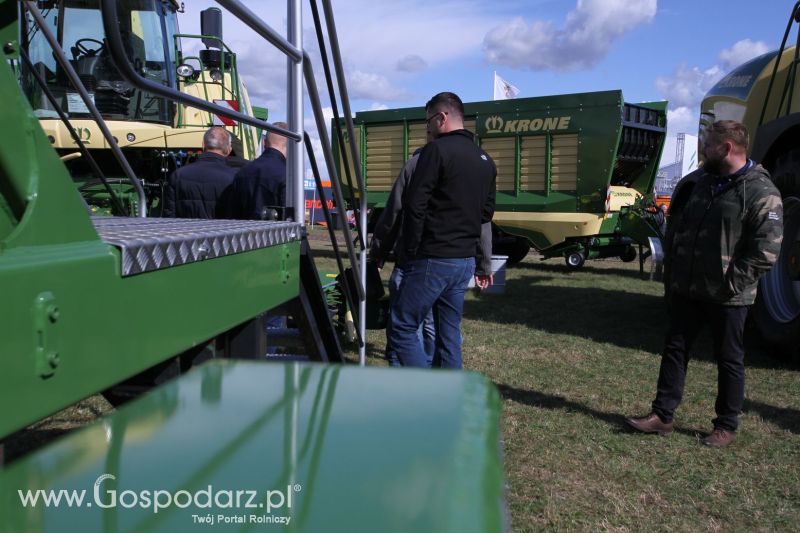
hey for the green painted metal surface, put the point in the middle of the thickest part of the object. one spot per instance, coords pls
(72, 326)
(328, 448)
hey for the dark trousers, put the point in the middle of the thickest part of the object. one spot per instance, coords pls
(687, 318)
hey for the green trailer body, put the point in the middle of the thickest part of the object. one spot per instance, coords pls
(569, 167)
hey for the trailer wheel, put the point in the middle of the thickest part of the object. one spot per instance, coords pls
(518, 251)
(777, 308)
(628, 255)
(575, 260)
(513, 247)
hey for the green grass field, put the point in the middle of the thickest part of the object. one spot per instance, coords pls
(573, 354)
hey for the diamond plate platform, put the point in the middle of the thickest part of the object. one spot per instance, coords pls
(154, 243)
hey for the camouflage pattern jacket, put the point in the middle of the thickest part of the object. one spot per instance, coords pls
(726, 235)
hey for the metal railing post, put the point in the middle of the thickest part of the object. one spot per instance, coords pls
(295, 192)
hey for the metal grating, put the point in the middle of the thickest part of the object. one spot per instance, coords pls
(148, 244)
(533, 163)
(564, 163)
(503, 152)
(385, 155)
(417, 133)
(350, 158)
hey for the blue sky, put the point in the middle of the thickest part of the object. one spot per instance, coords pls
(398, 54)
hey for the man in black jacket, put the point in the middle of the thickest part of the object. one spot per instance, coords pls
(199, 189)
(261, 185)
(451, 193)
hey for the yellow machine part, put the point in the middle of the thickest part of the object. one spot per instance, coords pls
(558, 227)
(194, 123)
(748, 111)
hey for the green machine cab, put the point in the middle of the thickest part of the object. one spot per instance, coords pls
(575, 172)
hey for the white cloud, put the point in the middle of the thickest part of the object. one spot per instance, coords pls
(433, 31)
(412, 63)
(687, 85)
(371, 86)
(379, 58)
(377, 106)
(741, 52)
(590, 30)
(683, 120)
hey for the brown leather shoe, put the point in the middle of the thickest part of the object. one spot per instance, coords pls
(720, 438)
(650, 424)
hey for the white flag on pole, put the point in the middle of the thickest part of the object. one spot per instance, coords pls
(503, 90)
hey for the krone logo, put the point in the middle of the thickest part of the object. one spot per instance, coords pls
(494, 124)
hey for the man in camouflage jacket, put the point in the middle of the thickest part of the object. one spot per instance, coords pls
(721, 238)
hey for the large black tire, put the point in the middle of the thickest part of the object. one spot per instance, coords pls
(777, 308)
(519, 250)
(628, 255)
(515, 248)
(786, 173)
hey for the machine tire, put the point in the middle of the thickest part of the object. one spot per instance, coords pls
(518, 251)
(628, 255)
(777, 308)
(515, 248)
(575, 260)
(786, 173)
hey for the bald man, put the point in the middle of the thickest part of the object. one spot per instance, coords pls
(199, 189)
(261, 185)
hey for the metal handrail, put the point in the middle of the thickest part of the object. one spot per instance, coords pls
(117, 51)
(313, 96)
(362, 212)
(240, 11)
(260, 27)
(298, 57)
(61, 59)
(98, 174)
(339, 136)
(329, 223)
(772, 77)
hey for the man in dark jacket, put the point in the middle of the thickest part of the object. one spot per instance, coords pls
(721, 239)
(199, 189)
(450, 195)
(261, 185)
(387, 239)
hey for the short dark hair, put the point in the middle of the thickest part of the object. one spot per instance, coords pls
(447, 100)
(730, 131)
(273, 139)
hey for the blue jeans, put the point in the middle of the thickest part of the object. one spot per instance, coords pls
(426, 332)
(436, 284)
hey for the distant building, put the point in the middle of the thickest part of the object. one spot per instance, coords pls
(685, 162)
